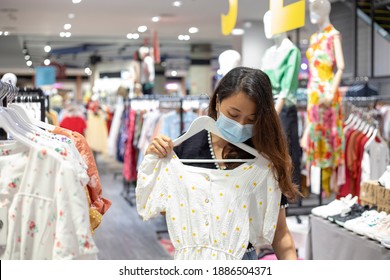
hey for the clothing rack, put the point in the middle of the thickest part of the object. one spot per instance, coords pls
(171, 99)
(178, 102)
(33, 95)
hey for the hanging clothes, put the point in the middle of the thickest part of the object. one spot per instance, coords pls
(325, 145)
(43, 195)
(96, 133)
(98, 203)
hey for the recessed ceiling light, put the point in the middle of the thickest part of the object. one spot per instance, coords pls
(155, 19)
(173, 73)
(27, 57)
(68, 34)
(29, 63)
(71, 16)
(177, 3)
(76, 1)
(187, 37)
(46, 61)
(180, 37)
(237, 31)
(1, 33)
(67, 26)
(62, 34)
(135, 36)
(47, 48)
(193, 30)
(6, 33)
(142, 28)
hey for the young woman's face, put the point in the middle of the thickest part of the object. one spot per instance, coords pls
(238, 107)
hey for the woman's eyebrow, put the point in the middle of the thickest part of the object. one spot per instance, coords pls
(233, 108)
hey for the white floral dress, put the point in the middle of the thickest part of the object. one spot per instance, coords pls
(211, 214)
(41, 190)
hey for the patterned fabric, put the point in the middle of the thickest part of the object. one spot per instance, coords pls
(129, 166)
(94, 186)
(210, 213)
(42, 192)
(325, 146)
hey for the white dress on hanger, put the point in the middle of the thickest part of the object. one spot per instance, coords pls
(211, 214)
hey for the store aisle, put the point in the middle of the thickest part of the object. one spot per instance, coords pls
(122, 235)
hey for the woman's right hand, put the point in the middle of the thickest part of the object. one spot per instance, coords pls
(161, 146)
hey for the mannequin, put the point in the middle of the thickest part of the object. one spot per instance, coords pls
(281, 63)
(228, 60)
(147, 70)
(323, 139)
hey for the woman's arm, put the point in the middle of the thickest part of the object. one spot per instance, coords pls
(283, 243)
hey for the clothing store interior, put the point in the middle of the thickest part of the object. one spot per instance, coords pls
(123, 135)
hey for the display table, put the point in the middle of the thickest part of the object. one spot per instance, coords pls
(329, 241)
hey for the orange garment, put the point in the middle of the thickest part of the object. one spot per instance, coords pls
(94, 186)
(95, 218)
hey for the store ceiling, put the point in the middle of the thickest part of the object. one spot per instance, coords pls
(106, 23)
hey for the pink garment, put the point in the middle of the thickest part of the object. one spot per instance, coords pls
(129, 164)
(94, 186)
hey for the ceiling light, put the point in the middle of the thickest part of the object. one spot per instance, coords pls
(67, 26)
(174, 73)
(177, 3)
(135, 35)
(76, 1)
(155, 19)
(47, 48)
(193, 30)
(237, 31)
(27, 57)
(68, 34)
(248, 24)
(88, 71)
(62, 34)
(181, 37)
(29, 63)
(6, 33)
(1, 33)
(129, 36)
(71, 16)
(46, 62)
(142, 28)
(187, 37)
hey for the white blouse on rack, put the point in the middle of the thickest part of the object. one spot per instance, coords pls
(211, 214)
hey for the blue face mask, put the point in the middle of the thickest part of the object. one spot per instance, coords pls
(233, 131)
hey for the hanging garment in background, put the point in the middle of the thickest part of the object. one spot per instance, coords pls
(96, 133)
(211, 214)
(129, 166)
(74, 123)
(114, 131)
(325, 146)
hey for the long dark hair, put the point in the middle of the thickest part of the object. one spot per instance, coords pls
(268, 138)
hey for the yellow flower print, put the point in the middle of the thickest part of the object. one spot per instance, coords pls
(314, 98)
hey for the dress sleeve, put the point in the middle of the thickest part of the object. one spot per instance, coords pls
(151, 190)
(264, 211)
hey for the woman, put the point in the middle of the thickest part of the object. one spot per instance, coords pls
(243, 108)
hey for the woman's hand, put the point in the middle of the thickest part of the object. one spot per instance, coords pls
(161, 146)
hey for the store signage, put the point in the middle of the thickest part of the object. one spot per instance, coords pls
(287, 17)
(228, 22)
(45, 76)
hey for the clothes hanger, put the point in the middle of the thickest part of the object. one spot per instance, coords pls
(23, 113)
(205, 122)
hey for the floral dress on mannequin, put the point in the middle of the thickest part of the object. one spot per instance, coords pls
(325, 146)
